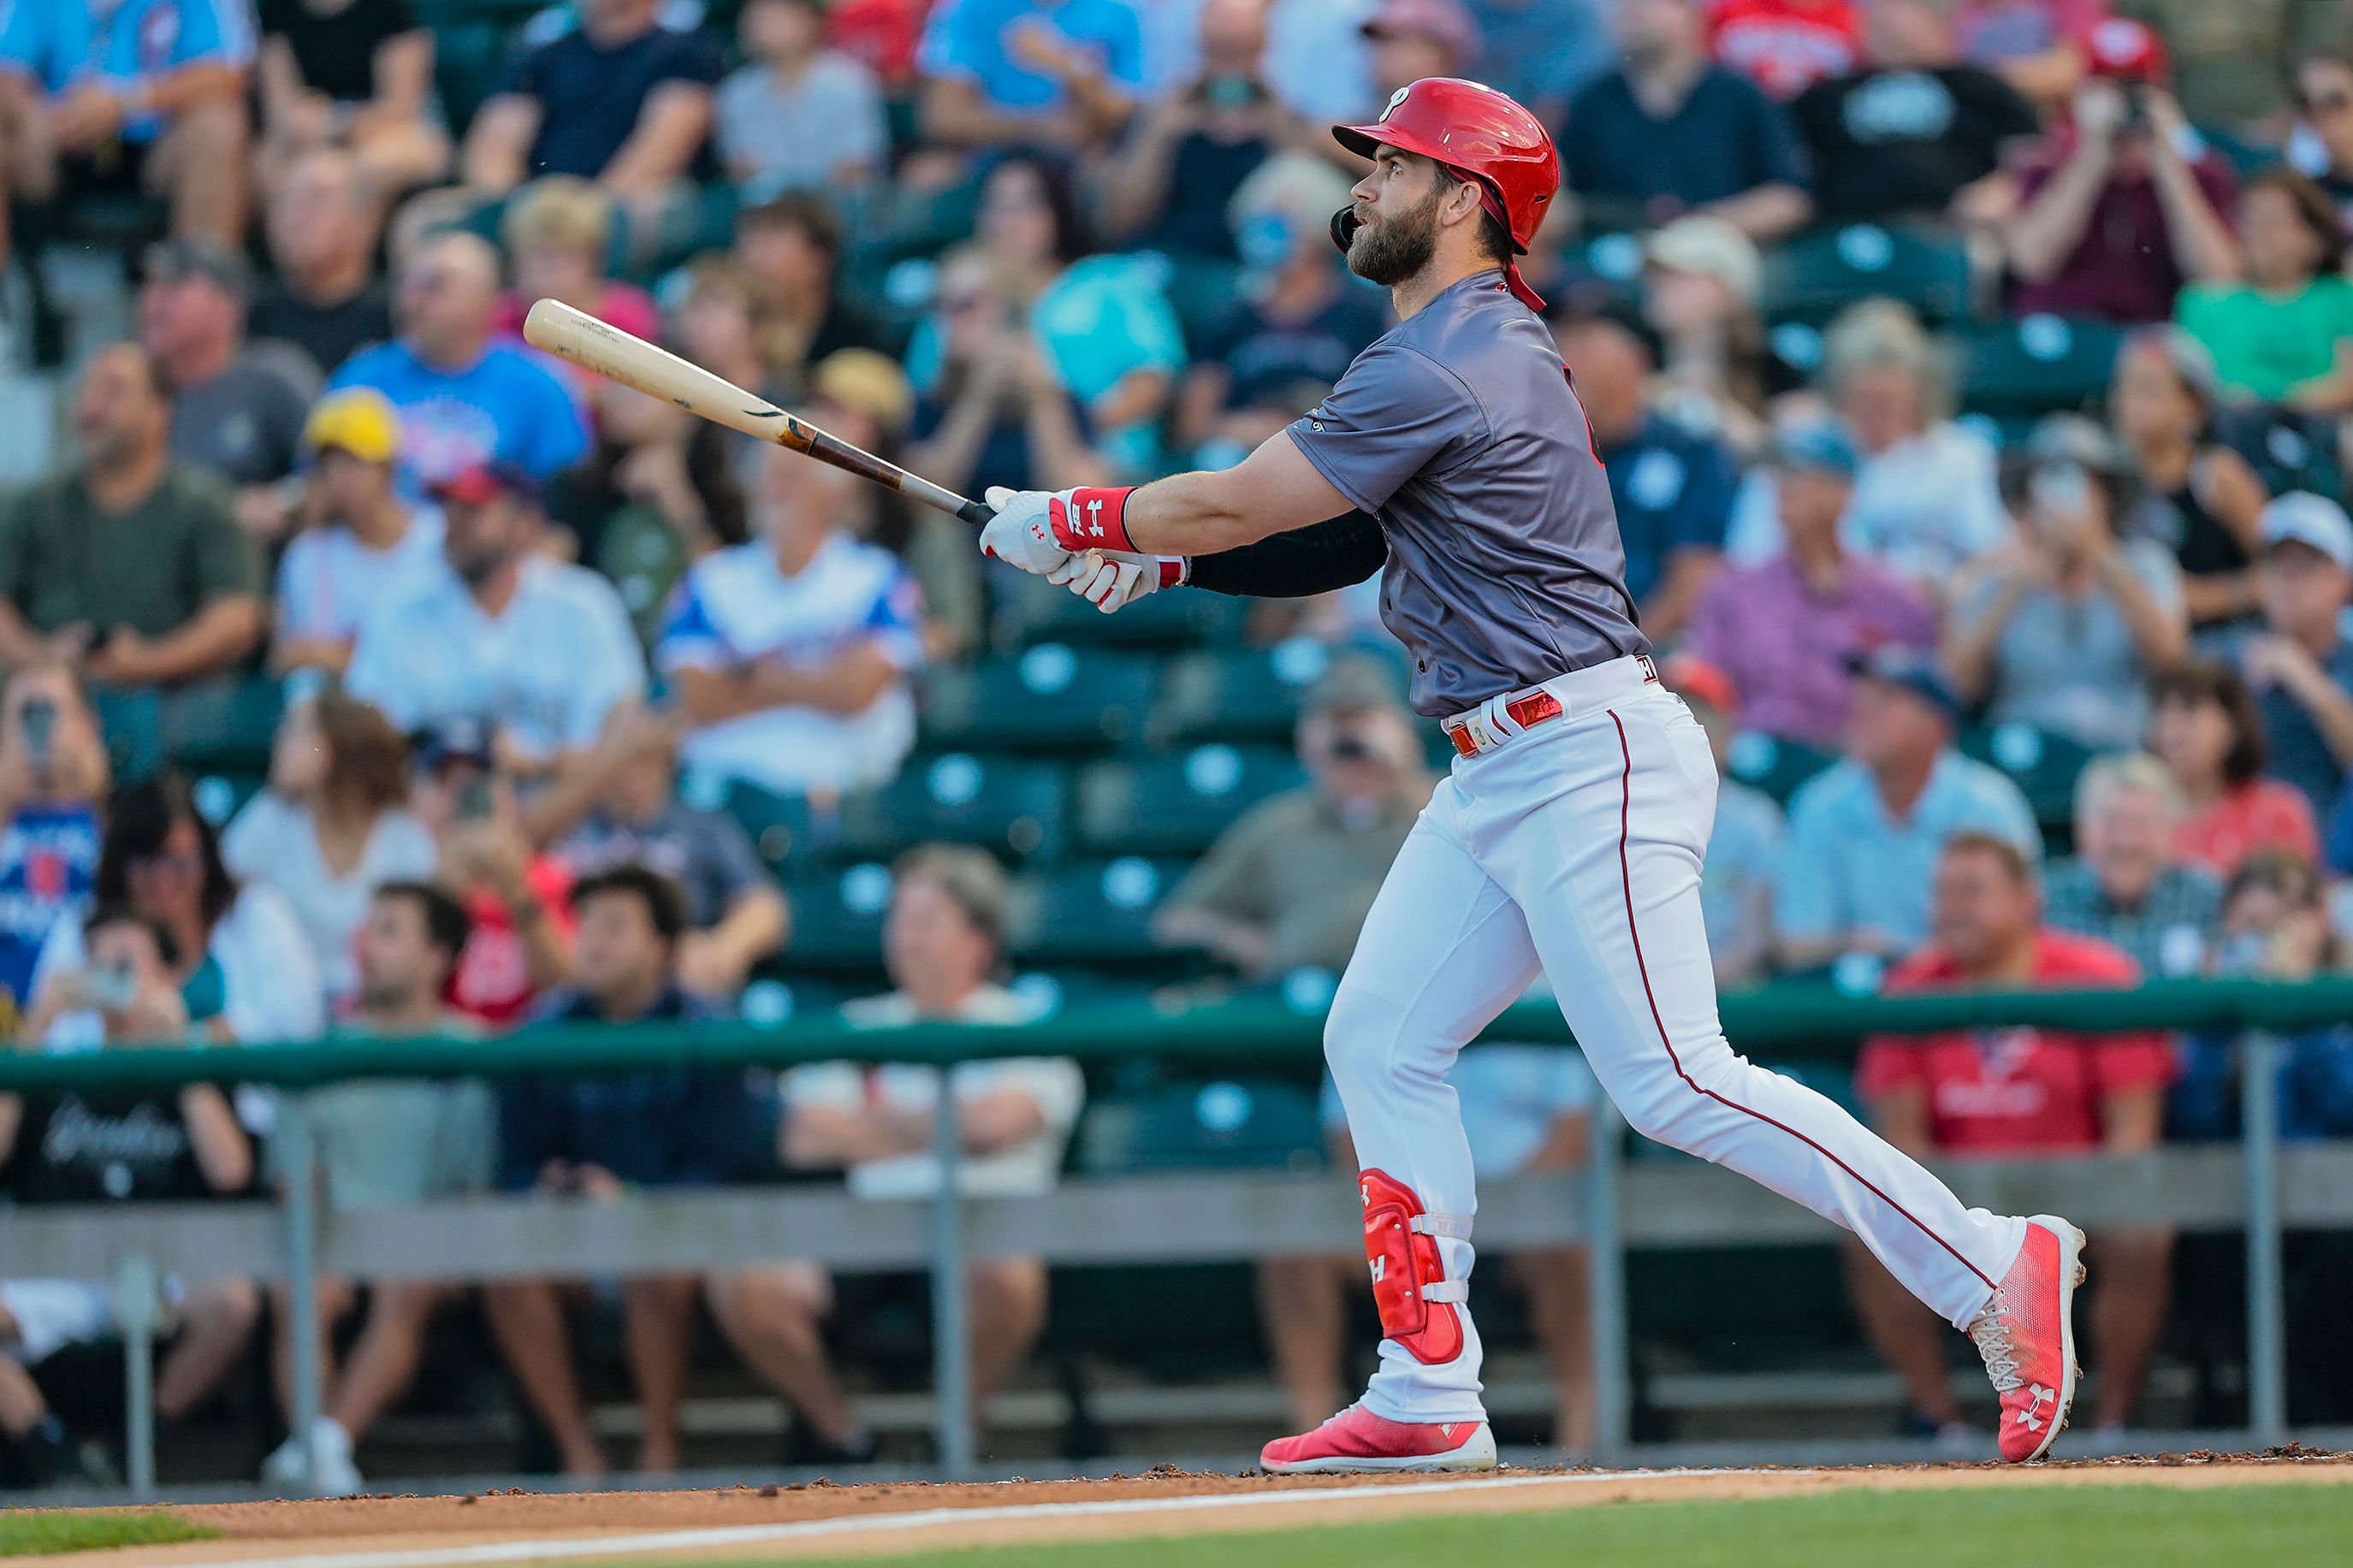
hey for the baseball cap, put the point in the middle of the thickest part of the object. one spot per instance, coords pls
(2075, 438)
(1695, 677)
(2301, 517)
(359, 420)
(1443, 22)
(866, 383)
(1713, 248)
(169, 260)
(485, 482)
(1893, 664)
(2126, 50)
(1818, 444)
(1354, 684)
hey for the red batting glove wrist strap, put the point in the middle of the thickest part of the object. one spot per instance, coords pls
(1172, 570)
(1093, 518)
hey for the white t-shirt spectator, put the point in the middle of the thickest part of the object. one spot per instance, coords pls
(545, 673)
(276, 841)
(1054, 1084)
(1921, 509)
(775, 136)
(329, 583)
(737, 608)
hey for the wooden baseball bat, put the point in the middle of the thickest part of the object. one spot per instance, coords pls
(591, 344)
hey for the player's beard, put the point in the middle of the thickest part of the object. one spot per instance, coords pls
(1388, 251)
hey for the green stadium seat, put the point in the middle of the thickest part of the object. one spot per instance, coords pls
(1092, 914)
(2042, 764)
(2038, 364)
(1178, 805)
(837, 920)
(1815, 276)
(782, 827)
(1253, 695)
(1774, 765)
(220, 797)
(1047, 698)
(222, 726)
(1016, 810)
(1034, 610)
(1222, 1124)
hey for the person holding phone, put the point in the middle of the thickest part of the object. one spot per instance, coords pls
(52, 776)
(2063, 627)
(171, 1145)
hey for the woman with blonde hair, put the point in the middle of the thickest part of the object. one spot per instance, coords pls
(1928, 494)
(558, 232)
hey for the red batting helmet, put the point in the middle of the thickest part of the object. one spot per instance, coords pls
(1484, 137)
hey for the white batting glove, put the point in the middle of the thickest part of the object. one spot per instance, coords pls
(1112, 578)
(1022, 532)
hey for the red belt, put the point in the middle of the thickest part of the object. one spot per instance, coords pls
(1527, 712)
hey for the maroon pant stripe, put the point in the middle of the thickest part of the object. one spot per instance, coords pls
(1626, 876)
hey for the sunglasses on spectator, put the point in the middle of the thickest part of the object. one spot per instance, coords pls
(2328, 102)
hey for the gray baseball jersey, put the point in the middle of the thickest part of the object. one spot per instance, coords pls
(1458, 431)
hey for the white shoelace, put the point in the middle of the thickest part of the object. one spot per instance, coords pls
(1992, 1331)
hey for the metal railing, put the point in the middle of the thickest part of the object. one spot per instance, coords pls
(1610, 1207)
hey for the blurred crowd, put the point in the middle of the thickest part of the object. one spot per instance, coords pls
(1975, 422)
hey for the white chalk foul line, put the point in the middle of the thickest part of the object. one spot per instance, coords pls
(925, 1518)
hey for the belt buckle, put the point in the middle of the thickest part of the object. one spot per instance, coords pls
(1471, 736)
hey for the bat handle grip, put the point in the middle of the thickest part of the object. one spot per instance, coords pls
(976, 513)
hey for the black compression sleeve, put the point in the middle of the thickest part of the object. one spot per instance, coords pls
(1345, 550)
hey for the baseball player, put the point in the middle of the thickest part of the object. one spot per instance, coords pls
(1453, 458)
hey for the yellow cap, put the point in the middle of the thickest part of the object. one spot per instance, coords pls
(359, 420)
(866, 383)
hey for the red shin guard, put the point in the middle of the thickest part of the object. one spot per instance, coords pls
(1415, 1299)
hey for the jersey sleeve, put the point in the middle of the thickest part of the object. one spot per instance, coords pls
(895, 621)
(690, 638)
(1396, 413)
(213, 30)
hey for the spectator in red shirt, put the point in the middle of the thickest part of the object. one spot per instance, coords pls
(2020, 1092)
(1785, 46)
(2124, 205)
(518, 902)
(2206, 730)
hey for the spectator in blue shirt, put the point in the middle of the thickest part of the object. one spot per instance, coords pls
(139, 95)
(1668, 132)
(2299, 663)
(53, 778)
(1542, 51)
(620, 100)
(2275, 926)
(1865, 834)
(465, 399)
(1672, 485)
(592, 1137)
(1036, 73)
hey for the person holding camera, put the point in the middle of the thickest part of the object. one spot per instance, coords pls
(53, 778)
(1171, 187)
(137, 1147)
(1287, 886)
(2062, 627)
(2126, 205)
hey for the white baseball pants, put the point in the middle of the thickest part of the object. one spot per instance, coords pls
(1575, 848)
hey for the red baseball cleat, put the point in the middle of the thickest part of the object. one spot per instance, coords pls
(1356, 1439)
(2027, 1335)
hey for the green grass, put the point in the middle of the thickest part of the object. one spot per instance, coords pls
(80, 1530)
(2132, 1526)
